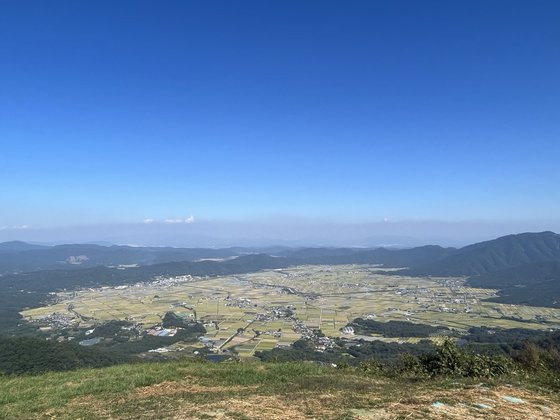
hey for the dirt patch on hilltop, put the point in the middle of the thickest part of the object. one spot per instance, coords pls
(471, 403)
(266, 408)
(175, 388)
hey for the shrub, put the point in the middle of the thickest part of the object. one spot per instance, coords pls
(450, 360)
(373, 367)
(411, 365)
(534, 357)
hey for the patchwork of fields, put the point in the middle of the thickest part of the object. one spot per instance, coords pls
(262, 310)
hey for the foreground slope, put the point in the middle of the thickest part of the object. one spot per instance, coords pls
(185, 390)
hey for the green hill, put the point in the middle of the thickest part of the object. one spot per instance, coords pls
(498, 254)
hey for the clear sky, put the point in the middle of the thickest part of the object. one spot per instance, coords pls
(113, 112)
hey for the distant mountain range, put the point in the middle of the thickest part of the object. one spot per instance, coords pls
(473, 260)
(18, 257)
(388, 257)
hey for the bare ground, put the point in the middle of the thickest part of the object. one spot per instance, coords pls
(191, 400)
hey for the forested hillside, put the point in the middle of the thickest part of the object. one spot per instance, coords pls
(536, 284)
(498, 254)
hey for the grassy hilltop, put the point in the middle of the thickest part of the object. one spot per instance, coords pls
(191, 389)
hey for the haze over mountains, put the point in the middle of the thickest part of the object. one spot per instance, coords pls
(477, 259)
(20, 257)
(281, 230)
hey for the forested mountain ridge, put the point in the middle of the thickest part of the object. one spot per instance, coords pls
(480, 258)
(388, 257)
(22, 257)
(19, 257)
(498, 254)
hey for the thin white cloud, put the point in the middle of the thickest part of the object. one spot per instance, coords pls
(187, 220)
(178, 220)
(15, 227)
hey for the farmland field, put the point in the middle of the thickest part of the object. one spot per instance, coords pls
(266, 309)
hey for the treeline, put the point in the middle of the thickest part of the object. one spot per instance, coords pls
(539, 357)
(29, 355)
(395, 328)
(498, 341)
(12, 302)
(509, 343)
(303, 350)
(147, 343)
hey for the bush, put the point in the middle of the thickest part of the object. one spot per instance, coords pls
(450, 360)
(534, 357)
(411, 365)
(372, 367)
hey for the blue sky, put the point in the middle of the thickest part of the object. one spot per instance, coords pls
(352, 112)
